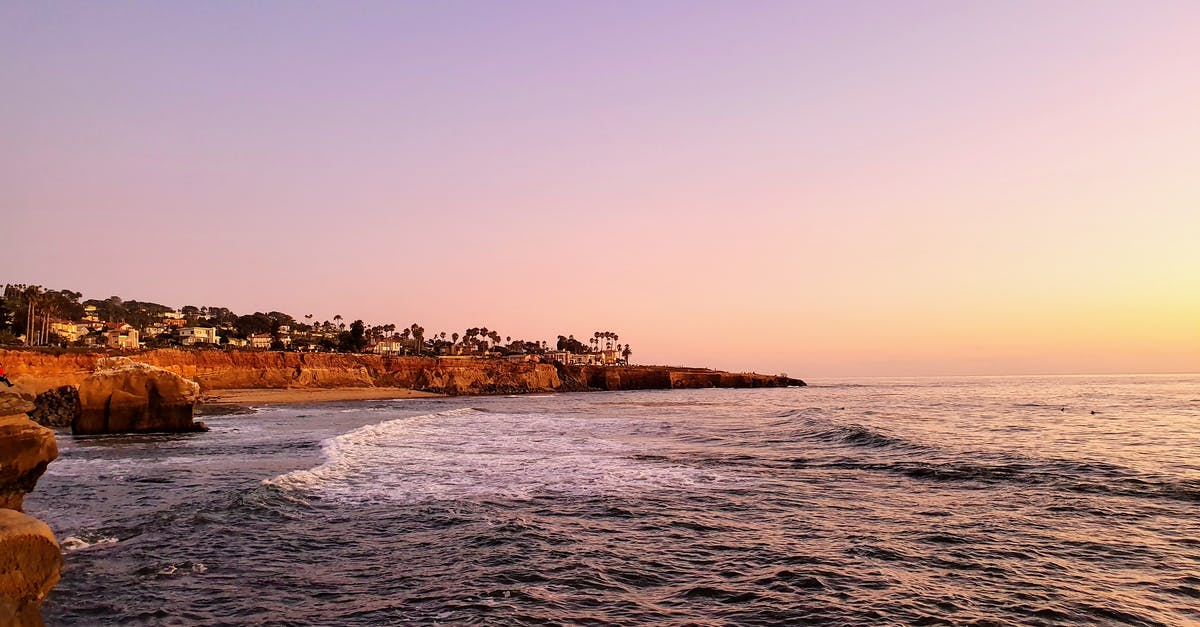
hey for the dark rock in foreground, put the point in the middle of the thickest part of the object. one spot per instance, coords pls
(56, 408)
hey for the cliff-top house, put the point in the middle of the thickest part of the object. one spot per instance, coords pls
(190, 336)
(120, 335)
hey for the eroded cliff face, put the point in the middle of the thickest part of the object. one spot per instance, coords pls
(30, 559)
(223, 370)
(125, 396)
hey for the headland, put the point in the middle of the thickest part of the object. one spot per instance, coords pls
(280, 376)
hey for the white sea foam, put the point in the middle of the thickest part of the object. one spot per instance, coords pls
(466, 454)
(72, 543)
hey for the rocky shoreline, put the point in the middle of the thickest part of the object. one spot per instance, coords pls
(30, 559)
(158, 391)
(215, 370)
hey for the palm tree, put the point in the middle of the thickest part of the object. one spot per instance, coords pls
(626, 353)
(33, 296)
(338, 319)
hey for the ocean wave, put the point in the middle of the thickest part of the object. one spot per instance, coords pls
(469, 454)
(1072, 476)
(812, 425)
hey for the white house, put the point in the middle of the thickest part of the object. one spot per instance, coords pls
(388, 346)
(189, 336)
(260, 340)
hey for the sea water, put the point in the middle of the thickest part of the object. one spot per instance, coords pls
(1031, 500)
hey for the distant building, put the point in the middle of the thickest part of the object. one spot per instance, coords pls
(388, 346)
(189, 336)
(260, 340)
(574, 359)
(556, 355)
(121, 335)
(154, 330)
(68, 331)
(237, 342)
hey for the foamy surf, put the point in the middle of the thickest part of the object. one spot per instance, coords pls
(467, 454)
(73, 543)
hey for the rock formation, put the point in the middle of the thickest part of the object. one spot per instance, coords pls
(30, 565)
(56, 408)
(224, 370)
(125, 396)
(25, 447)
(30, 560)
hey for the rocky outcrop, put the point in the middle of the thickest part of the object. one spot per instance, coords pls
(25, 448)
(223, 370)
(30, 560)
(56, 408)
(125, 396)
(38, 371)
(30, 565)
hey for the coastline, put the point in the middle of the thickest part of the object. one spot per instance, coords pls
(292, 396)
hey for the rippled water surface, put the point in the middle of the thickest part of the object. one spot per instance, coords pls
(910, 501)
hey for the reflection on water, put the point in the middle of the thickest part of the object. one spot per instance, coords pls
(909, 501)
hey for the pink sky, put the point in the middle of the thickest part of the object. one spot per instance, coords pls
(825, 189)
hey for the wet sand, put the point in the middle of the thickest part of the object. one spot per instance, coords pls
(288, 396)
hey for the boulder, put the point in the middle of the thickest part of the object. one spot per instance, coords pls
(15, 400)
(30, 560)
(25, 449)
(30, 565)
(56, 408)
(125, 396)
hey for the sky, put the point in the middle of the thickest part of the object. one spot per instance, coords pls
(826, 189)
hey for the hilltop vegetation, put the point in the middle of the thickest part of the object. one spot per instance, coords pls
(32, 315)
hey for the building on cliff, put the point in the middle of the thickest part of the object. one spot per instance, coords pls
(121, 335)
(602, 358)
(388, 346)
(190, 336)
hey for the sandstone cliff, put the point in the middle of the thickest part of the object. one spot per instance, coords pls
(125, 396)
(30, 560)
(222, 370)
(25, 447)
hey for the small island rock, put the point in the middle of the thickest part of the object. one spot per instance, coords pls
(125, 396)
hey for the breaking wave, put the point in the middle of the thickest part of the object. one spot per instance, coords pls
(473, 455)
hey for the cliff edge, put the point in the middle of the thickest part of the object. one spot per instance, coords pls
(228, 370)
(30, 559)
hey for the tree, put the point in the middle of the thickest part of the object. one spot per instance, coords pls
(358, 340)
(418, 333)
(626, 353)
(33, 295)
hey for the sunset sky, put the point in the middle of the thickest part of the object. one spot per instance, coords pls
(825, 189)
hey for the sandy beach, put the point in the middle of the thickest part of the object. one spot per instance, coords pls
(284, 396)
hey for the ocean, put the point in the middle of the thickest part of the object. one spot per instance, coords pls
(966, 501)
